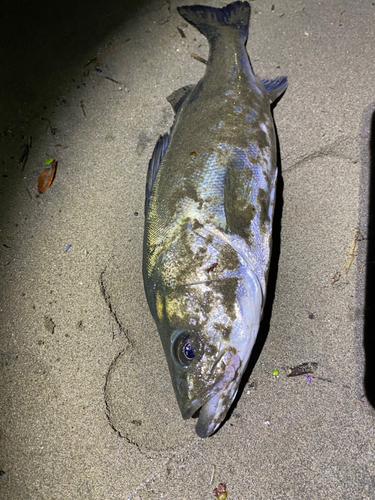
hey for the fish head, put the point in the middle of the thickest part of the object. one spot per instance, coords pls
(208, 344)
(204, 376)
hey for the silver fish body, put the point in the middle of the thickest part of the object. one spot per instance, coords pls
(210, 200)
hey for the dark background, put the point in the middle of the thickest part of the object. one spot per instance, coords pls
(42, 43)
(369, 330)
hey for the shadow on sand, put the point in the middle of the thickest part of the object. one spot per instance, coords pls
(369, 310)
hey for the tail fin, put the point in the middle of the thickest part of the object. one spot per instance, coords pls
(211, 20)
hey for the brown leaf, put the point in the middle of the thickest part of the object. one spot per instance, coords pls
(45, 179)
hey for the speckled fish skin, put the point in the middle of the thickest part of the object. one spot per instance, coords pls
(210, 200)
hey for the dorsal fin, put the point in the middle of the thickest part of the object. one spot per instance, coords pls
(176, 100)
(154, 164)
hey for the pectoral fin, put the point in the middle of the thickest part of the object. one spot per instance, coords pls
(275, 87)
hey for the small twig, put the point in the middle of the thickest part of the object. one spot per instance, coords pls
(83, 108)
(213, 474)
(198, 58)
(335, 277)
(92, 61)
(112, 80)
(357, 235)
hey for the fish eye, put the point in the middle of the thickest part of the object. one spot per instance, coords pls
(187, 348)
(186, 351)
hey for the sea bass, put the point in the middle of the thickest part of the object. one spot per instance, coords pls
(210, 198)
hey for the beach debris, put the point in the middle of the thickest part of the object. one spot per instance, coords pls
(309, 378)
(93, 61)
(357, 237)
(275, 373)
(302, 369)
(181, 31)
(112, 80)
(49, 324)
(220, 492)
(83, 107)
(67, 247)
(198, 58)
(213, 474)
(45, 179)
(335, 278)
(251, 385)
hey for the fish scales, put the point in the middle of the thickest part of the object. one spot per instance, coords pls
(210, 198)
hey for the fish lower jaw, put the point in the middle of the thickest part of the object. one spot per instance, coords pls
(220, 398)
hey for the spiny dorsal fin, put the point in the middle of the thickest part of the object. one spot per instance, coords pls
(176, 100)
(154, 164)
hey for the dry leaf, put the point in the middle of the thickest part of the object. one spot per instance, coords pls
(45, 179)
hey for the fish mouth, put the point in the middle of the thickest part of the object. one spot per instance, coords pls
(216, 403)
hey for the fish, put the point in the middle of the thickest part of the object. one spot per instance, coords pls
(210, 200)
